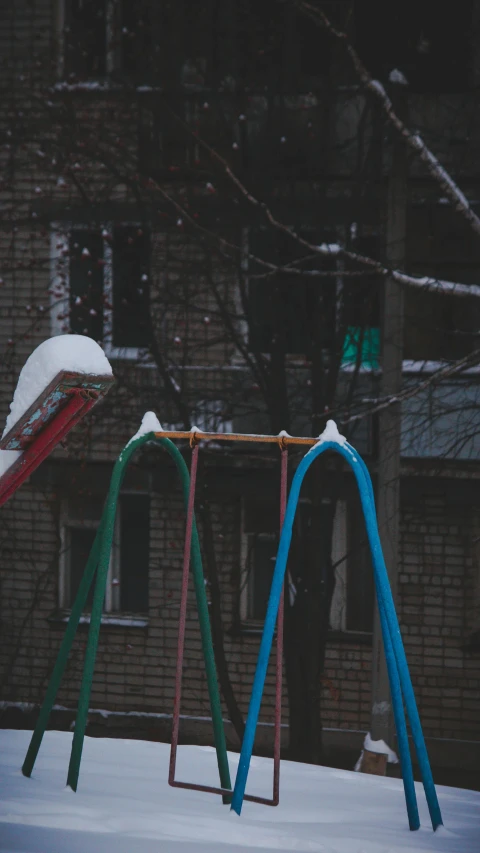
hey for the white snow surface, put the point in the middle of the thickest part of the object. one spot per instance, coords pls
(377, 746)
(124, 805)
(150, 423)
(381, 747)
(62, 352)
(7, 458)
(331, 433)
(397, 77)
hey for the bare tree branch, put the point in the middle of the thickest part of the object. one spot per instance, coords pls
(413, 140)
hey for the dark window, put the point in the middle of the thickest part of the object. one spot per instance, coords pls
(165, 146)
(261, 522)
(85, 39)
(134, 552)
(285, 310)
(130, 553)
(86, 283)
(261, 528)
(310, 47)
(79, 545)
(262, 552)
(426, 40)
(137, 42)
(360, 585)
(130, 258)
(131, 262)
(439, 326)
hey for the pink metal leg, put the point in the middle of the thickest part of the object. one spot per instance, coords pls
(210, 789)
(183, 615)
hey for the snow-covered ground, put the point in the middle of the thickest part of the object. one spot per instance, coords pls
(124, 805)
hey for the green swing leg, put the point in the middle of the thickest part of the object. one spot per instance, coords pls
(106, 542)
(62, 657)
(99, 560)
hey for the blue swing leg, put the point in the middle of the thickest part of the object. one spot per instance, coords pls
(398, 669)
(400, 725)
(396, 691)
(366, 495)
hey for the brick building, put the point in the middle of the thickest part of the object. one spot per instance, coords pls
(101, 173)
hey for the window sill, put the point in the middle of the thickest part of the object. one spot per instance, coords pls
(117, 620)
(360, 638)
(356, 638)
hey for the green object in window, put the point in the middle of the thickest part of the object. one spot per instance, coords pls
(368, 339)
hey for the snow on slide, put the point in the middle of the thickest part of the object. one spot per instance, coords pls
(76, 353)
(124, 805)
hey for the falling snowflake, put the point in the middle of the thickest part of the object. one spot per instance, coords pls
(85, 252)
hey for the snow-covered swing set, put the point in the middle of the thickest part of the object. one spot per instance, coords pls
(38, 428)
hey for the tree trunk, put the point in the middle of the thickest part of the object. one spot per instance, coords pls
(307, 622)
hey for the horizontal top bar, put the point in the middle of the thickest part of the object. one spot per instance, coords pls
(196, 435)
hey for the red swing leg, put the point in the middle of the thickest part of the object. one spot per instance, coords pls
(183, 619)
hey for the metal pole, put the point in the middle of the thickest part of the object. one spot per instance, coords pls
(106, 540)
(100, 545)
(62, 658)
(222, 757)
(198, 435)
(389, 429)
(277, 744)
(182, 618)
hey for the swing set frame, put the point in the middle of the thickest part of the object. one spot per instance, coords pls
(96, 572)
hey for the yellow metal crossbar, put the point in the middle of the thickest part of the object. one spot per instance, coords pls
(195, 435)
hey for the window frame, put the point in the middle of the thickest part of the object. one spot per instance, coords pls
(69, 522)
(113, 42)
(246, 584)
(294, 359)
(340, 555)
(112, 603)
(59, 278)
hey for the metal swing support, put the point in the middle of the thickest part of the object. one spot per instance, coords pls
(399, 676)
(267, 801)
(96, 571)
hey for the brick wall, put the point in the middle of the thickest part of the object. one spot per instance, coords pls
(135, 666)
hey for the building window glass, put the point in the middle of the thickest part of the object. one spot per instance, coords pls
(127, 583)
(101, 286)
